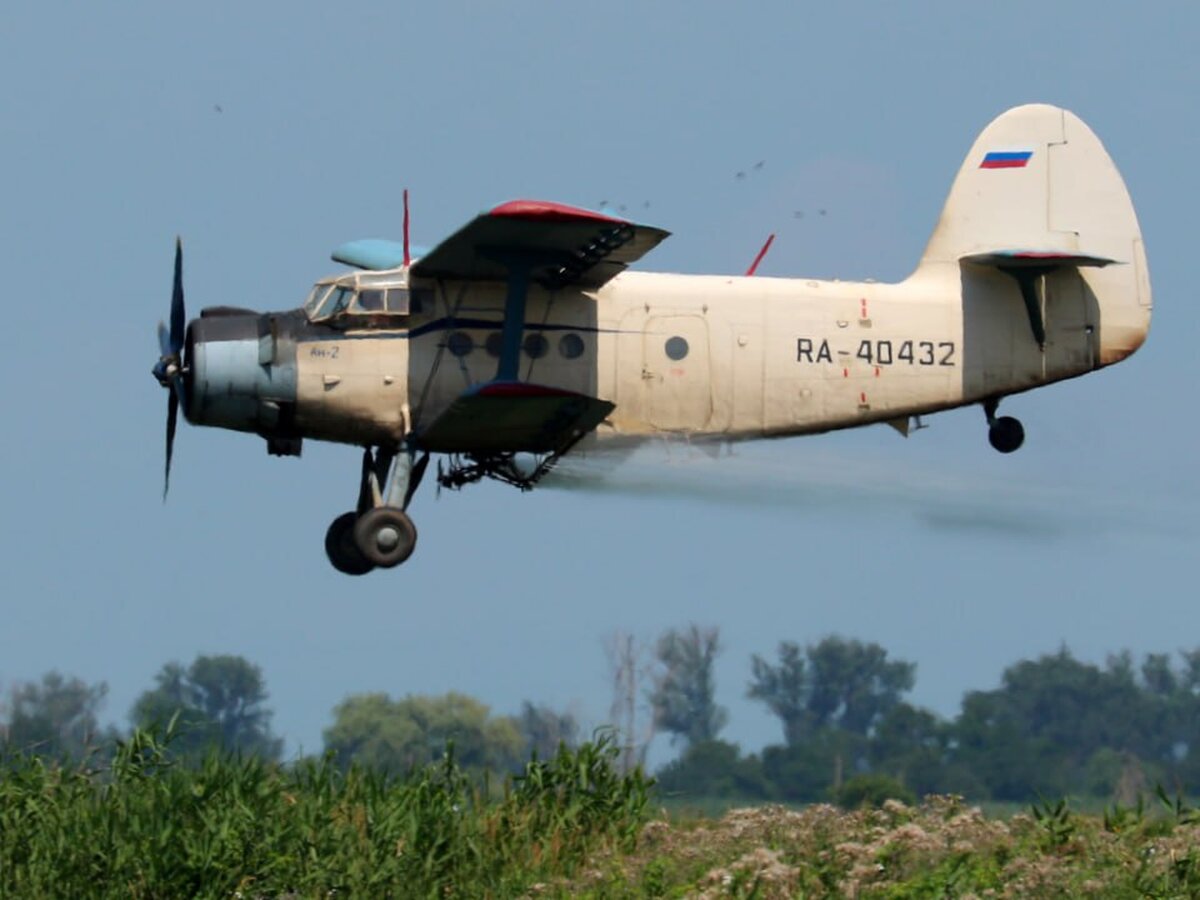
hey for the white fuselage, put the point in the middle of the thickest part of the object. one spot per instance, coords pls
(725, 357)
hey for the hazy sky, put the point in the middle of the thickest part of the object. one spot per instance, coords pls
(268, 133)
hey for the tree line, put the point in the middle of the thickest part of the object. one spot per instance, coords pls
(221, 702)
(1055, 725)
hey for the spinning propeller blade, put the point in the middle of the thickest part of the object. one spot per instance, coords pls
(172, 415)
(178, 318)
(169, 369)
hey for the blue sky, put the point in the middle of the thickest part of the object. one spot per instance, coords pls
(267, 134)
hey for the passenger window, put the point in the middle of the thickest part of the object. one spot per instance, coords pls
(460, 343)
(536, 345)
(571, 346)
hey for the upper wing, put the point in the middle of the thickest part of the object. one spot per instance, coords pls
(559, 244)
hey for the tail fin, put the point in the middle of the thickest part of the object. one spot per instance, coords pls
(1038, 183)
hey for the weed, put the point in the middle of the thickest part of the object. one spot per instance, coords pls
(1055, 821)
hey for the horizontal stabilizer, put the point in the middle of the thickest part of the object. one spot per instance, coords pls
(555, 245)
(514, 417)
(1036, 258)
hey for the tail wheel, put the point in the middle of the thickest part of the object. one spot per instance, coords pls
(385, 536)
(1006, 434)
(341, 549)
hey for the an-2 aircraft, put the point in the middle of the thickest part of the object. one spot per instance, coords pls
(523, 336)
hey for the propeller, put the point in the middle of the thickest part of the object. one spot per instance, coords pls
(169, 369)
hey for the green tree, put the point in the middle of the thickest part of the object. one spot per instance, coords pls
(871, 790)
(836, 683)
(915, 747)
(855, 684)
(55, 718)
(399, 735)
(1041, 731)
(683, 697)
(219, 701)
(809, 770)
(784, 689)
(713, 769)
(544, 729)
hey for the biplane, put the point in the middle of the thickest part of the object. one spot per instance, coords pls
(525, 336)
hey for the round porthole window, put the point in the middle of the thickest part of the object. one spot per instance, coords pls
(676, 348)
(570, 346)
(460, 343)
(493, 344)
(536, 345)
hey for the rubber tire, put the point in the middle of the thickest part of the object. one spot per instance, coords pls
(374, 521)
(1006, 434)
(341, 549)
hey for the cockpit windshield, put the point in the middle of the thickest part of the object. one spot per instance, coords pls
(313, 303)
(338, 300)
(332, 301)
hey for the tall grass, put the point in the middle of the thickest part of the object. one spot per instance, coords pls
(143, 826)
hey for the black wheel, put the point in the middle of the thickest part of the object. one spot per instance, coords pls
(343, 553)
(385, 536)
(1006, 434)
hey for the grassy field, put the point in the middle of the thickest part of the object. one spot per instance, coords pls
(144, 827)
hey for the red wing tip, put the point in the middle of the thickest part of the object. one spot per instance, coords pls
(546, 211)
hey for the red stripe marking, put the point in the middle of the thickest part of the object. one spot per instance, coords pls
(1003, 163)
(845, 373)
(862, 397)
(545, 211)
(877, 371)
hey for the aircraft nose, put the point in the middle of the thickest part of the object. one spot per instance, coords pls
(237, 381)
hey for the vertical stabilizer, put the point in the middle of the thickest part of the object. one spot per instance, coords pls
(1038, 182)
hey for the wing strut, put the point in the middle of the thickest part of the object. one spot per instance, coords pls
(492, 421)
(513, 329)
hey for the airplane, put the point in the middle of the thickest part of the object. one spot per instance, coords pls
(525, 336)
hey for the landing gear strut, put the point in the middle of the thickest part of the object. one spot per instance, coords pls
(1005, 433)
(379, 534)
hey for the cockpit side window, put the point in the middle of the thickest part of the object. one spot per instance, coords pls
(398, 301)
(370, 300)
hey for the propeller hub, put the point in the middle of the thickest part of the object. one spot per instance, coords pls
(166, 370)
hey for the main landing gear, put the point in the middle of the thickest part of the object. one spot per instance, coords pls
(379, 533)
(1005, 433)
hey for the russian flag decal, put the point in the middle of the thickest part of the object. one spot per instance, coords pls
(1006, 159)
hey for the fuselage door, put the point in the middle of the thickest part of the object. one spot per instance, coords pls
(676, 373)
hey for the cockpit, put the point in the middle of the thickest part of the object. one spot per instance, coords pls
(361, 300)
